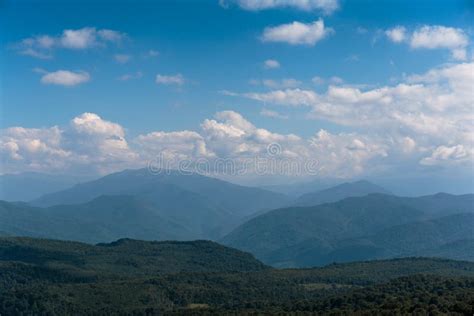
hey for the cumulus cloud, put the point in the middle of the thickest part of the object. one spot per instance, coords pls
(433, 37)
(173, 146)
(421, 123)
(65, 78)
(90, 143)
(271, 64)
(327, 6)
(87, 143)
(424, 113)
(78, 39)
(111, 35)
(177, 79)
(449, 155)
(297, 33)
(42, 46)
(396, 34)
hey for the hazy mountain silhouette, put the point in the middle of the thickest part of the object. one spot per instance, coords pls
(353, 229)
(339, 192)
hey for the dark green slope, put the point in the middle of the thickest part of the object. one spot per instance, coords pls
(360, 228)
(459, 249)
(126, 257)
(344, 219)
(443, 237)
(339, 192)
(46, 277)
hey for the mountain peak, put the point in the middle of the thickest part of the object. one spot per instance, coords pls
(339, 192)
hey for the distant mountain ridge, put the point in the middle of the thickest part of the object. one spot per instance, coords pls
(356, 228)
(339, 192)
(105, 218)
(348, 222)
(238, 199)
(139, 204)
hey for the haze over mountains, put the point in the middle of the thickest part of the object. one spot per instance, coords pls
(346, 222)
(357, 228)
(139, 204)
(31, 185)
(339, 192)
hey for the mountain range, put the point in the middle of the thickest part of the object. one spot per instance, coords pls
(347, 222)
(357, 228)
(139, 204)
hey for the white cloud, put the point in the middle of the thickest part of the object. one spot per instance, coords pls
(280, 84)
(327, 6)
(336, 80)
(430, 110)
(433, 37)
(173, 146)
(132, 76)
(423, 122)
(88, 144)
(91, 144)
(317, 80)
(65, 78)
(111, 35)
(177, 79)
(271, 64)
(293, 97)
(79, 39)
(42, 46)
(449, 155)
(153, 53)
(297, 33)
(122, 58)
(34, 53)
(396, 34)
(273, 114)
(438, 37)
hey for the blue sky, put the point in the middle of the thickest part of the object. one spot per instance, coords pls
(211, 58)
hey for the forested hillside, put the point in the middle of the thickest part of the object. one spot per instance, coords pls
(151, 278)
